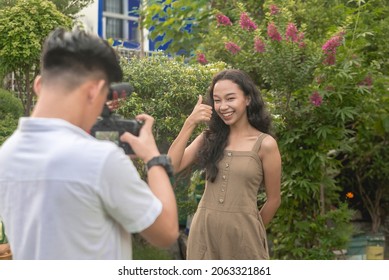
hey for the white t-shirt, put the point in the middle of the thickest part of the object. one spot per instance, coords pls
(66, 195)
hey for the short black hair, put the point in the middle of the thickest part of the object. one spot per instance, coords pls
(79, 54)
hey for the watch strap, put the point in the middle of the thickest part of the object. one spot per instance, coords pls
(161, 160)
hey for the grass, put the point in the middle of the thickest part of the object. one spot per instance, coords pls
(144, 251)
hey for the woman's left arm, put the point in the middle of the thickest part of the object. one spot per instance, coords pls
(271, 162)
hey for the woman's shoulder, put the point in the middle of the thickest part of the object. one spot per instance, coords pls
(269, 143)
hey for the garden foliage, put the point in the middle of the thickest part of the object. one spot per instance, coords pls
(10, 111)
(322, 69)
(23, 28)
(318, 87)
(67, 7)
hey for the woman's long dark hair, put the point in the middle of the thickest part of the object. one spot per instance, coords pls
(216, 136)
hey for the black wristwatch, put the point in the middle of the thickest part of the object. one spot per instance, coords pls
(164, 161)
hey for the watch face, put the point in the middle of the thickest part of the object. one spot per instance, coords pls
(164, 161)
(168, 159)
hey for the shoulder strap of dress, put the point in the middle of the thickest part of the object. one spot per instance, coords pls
(258, 143)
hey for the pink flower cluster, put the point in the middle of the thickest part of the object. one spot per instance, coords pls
(246, 23)
(274, 10)
(291, 32)
(293, 35)
(201, 58)
(316, 99)
(329, 49)
(273, 33)
(259, 45)
(367, 81)
(223, 20)
(232, 47)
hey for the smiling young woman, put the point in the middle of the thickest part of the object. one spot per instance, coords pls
(238, 155)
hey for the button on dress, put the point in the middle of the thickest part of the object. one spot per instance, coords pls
(227, 224)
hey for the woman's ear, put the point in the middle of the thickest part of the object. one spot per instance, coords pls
(248, 100)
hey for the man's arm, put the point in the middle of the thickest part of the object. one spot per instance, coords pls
(164, 231)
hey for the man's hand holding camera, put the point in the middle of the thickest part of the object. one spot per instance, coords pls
(143, 145)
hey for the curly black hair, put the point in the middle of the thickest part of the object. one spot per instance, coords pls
(216, 135)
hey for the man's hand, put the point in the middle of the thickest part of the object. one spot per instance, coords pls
(144, 145)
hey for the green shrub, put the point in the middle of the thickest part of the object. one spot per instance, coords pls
(9, 105)
(10, 111)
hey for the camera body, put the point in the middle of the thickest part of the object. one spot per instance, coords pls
(111, 126)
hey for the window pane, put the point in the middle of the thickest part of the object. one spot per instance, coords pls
(114, 28)
(115, 6)
(133, 31)
(133, 5)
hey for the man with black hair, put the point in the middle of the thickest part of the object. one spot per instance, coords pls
(65, 194)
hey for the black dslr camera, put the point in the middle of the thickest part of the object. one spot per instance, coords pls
(111, 126)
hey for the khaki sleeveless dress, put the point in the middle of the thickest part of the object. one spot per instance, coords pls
(227, 224)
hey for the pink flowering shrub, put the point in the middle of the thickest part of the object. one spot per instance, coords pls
(246, 23)
(316, 99)
(259, 45)
(329, 49)
(274, 10)
(232, 47)
(223, 20)
(275, 47)
(273, 33)
(201, 58)
(276, 50)
(291, 32)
